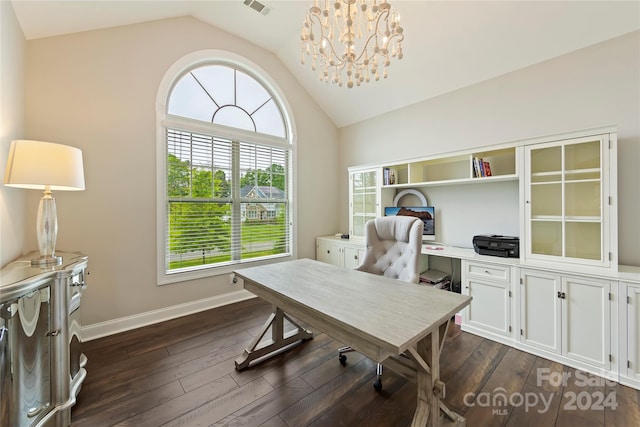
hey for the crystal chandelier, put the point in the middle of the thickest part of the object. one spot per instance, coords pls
(351, 40)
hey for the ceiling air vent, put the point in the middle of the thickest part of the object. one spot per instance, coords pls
(257, 6)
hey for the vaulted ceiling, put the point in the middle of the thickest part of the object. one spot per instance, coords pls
(448, 44)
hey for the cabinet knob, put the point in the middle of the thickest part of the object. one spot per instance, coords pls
(81, 284)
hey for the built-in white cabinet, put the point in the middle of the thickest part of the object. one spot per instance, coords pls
(353, 256)
(566, 315)
(565, 298)
(364, 199)
(330, 251)
(632, 337)
(489, 313)
(374, 187)
(569, 207)
(341, 252)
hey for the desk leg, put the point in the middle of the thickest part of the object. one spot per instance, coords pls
(430, 389)
(278, 341)
(423, 382)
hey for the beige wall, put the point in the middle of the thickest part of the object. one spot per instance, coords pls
(13, 213)
(97, 90)
(588, 88)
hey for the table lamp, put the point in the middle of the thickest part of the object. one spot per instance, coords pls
(45, 166)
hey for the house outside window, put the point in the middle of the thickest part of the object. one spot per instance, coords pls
(227, 157)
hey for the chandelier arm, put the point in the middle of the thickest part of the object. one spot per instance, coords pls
(338, 59)
(364, 50)
(386, 21)
(392, 37)
(317, 44)
(385, 14)
(310, 18)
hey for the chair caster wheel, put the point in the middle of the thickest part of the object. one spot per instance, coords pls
(343, 359)
(377, 384)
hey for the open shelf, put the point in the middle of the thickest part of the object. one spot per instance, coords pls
(449, 170)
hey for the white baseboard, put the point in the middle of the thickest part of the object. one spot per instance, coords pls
(630, 382)
(110, 327)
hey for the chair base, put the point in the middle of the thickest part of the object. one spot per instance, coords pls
(377, 384)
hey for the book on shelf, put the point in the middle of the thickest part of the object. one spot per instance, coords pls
(388, 176)
(487, 168)
(477, 170)
(481, 168)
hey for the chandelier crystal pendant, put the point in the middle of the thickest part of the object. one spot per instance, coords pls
(351, 41)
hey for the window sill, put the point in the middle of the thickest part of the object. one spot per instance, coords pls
(201, 273)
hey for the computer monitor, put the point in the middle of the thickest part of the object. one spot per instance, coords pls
(426, 213)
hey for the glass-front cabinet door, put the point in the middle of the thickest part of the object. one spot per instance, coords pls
(567, 201)
(363, 200)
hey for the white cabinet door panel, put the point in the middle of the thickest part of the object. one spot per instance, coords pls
(540, 314)
(587, 320)
(353, 256)
(323, 251)
(633, 332)
(490, 307)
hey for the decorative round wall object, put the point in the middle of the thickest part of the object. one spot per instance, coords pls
(416, 193)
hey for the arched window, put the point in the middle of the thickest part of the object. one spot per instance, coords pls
(226, 168)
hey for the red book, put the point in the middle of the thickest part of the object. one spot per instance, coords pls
(487, 168)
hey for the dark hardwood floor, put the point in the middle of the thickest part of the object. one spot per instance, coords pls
(182, 373)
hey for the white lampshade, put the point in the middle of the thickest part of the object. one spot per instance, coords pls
(37, 164)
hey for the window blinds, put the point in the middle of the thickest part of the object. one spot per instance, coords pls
(228, 201)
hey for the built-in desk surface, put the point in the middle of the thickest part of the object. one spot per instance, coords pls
(625, 272)
(438, 249)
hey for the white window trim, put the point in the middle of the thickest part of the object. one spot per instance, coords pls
(187, 62)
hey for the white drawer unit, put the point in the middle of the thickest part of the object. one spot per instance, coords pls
(493, 272)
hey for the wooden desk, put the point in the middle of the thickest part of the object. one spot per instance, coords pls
(379, 317)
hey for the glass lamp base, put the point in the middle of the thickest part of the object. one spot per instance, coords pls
(46, 261)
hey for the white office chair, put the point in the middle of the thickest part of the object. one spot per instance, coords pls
(393, 250)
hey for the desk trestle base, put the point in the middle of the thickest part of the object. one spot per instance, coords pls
(421, 364)
(278, 342)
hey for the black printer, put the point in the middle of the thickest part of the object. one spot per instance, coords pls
(496, 245)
